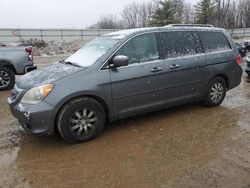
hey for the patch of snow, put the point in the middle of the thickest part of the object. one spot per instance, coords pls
(91, 52)
(27, 115)
(20, 107)
(118, 37)
(47, 75)
(130, 31)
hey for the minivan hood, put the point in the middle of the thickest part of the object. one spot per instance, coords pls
(47, 75)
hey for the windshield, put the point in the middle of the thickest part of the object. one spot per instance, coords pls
(91, 52)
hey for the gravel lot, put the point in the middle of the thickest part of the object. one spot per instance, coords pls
(185, 146)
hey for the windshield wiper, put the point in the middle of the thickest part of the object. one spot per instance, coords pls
(69, 63)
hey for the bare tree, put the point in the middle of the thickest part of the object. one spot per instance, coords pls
(145, 13)
(188, 14)
(130, 15)
(247, 13)
(107, 22)
(231, 20)
(136, 15)
(222, 11)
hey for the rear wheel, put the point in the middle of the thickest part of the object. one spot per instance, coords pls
(81, 120)
(216, 92)
(7, 78)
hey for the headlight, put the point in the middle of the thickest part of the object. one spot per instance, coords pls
(37, 94)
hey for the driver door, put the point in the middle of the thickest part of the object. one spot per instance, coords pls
(140, 85)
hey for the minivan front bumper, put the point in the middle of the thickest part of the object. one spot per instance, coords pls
(36, 119)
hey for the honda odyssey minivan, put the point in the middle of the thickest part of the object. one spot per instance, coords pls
(126, 73)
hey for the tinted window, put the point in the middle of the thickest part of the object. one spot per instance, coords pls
(176, 44)
(140, 49)
(197, 42)
(214, 41)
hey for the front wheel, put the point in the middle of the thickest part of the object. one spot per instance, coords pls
(216, 92)
(81, 120)
(7, 78)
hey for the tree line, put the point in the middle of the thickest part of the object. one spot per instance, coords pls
(221, 13)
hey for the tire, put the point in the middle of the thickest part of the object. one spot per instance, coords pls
(81, 120)
(7, 78)
(216, 92)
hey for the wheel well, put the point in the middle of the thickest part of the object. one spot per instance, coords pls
(8, 65)
(225, 78)
(98, 99)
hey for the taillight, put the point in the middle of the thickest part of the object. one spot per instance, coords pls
(29, 51)
(238, 59)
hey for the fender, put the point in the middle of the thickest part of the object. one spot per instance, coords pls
(107, 107)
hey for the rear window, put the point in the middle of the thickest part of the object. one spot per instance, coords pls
(176, 44)
(214, 41)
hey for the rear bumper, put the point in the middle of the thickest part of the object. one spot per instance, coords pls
(30, 68)
(235, 77)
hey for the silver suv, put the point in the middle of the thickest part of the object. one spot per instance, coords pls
(127, 73)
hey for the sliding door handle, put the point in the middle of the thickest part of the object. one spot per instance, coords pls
(156, 69)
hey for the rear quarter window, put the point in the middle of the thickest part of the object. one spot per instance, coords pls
(214, 41)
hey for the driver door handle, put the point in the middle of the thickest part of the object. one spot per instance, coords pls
(156, 69)
(175, 66)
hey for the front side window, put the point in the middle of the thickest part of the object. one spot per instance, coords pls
(214, 41)
(140, 49)
(176, 44)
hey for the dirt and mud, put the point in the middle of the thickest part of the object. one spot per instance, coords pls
(184, 146)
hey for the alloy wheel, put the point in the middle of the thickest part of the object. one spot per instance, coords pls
(216, 92)
(4, 79)
(83, 122)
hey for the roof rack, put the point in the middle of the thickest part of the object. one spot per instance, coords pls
(189, 25)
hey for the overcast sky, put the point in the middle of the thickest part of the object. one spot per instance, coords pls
(57, 13)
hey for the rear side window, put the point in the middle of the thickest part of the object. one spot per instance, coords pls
(214, 41)
(176, 44)
(140, 49)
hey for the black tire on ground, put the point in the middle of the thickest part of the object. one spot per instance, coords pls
(216, 92)
(7, 78)
(81, 120)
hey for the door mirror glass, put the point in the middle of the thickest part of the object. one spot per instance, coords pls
(120, 61)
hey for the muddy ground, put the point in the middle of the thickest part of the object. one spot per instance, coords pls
(185, 146)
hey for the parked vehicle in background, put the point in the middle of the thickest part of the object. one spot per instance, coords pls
(127, 73)
(14, 61)
(247, 70)
(247, 44)
(242, 49)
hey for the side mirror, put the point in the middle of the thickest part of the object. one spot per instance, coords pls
(120, 61)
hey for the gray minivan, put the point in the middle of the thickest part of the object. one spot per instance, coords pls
(125, 73)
